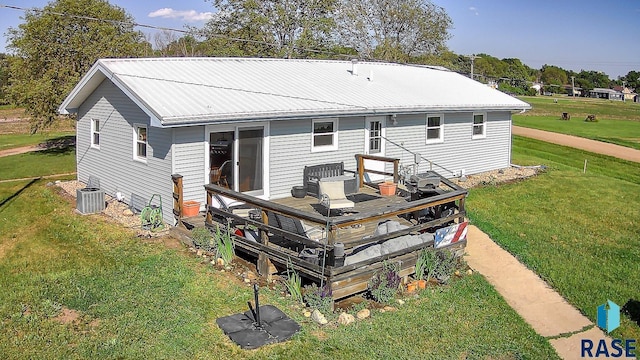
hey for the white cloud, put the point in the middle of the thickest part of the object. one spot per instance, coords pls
(186, 15)
(474, 10)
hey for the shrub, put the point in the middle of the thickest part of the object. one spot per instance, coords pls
(318, 298)
(385, 284)
(202, 239)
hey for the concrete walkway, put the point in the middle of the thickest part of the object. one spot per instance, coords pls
(621, 152)
(540, 306)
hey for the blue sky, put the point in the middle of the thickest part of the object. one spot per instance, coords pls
(572, 34)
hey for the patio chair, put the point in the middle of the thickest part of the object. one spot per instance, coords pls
(332, 195)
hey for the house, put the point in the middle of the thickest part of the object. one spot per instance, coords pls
(608, 94)
(627, 93)
(255, 123)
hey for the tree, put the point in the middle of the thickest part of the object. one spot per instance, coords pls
(553, 75)
(393, 30)
(4, 78)
(55, 46)
(279, 28)
(632, 80)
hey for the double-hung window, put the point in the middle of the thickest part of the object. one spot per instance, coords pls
(140, 142)
(479, 126)
(95, 133)
(435, 128)
(324, 135)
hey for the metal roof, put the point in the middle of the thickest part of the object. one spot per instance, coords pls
(182, 91)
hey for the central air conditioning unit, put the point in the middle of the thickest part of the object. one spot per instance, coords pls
(90, 199)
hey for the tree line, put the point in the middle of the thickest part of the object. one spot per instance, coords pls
(56, 45)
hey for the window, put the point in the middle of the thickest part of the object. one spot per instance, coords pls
(435, 129)
(140, 142)
(479, 126)
(325, 133)
(375, 137)
(95, 133)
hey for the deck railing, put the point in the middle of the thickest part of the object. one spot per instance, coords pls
(344, 280)
(360, 158)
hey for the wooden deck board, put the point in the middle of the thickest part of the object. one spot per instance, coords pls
(367, 200)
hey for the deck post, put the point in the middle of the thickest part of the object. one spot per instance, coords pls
(360, 161)
(208, 217)
(396, 166)
(265, 267)
(177, 198)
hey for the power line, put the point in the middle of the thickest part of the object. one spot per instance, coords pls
(153, 27)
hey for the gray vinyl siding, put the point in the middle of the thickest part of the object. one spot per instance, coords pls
(458, 151)
(113, 163)
(189, 161)
(290, 151)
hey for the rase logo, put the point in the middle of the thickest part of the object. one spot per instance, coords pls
(608, 320)
(609, 316)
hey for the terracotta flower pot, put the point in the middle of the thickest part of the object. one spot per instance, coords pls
(190, 208)
(387, 189)
(422, 284)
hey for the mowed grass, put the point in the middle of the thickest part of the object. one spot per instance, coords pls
(580, 232)
(38, 163)
(138, 298)
(618, 122)
(10, 141)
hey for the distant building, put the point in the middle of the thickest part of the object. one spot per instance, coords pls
(629, 94)
(610, 94)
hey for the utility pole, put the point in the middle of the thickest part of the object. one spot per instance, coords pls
(473, 57)
(573, 86)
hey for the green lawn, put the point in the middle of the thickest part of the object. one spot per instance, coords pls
(45, 162)
(10, 141)
(139, 299)
(580, 232)
(618, 122)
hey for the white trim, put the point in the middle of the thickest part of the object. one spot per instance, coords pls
(367, 134)
(92, 134)
(440, 138)
(266, 130)
(137, 126)
(334, 145)
(484, 125)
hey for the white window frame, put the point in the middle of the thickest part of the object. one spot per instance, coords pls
(137, 157)
(95, 130)
(381, 136)
(440, 127)
(474, 125)
(334, 144)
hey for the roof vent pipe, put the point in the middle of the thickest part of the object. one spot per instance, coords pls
(354, 67)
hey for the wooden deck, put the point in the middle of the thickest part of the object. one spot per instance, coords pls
(275, 245)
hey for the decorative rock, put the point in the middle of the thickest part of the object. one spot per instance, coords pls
(469, 272)
(247, 280)
(250, 275)
(400, 302)
(199, 252)
(389, 308)
(212, 262)
(306, 313)
(127, 212)
(220, 262)
(363, 314)
(318, 317)
(346, 319)
(457, 272)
